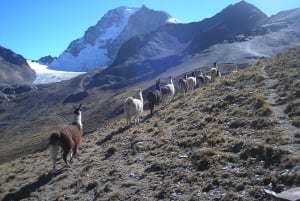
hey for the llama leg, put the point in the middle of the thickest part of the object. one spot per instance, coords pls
(65, 155)
(163, 101)
(128, 121)
(73, 153)
(71, 156)
(151, 108)
(170, 98)
(55, 149)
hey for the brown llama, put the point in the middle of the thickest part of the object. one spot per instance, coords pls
(154, 97)
(68, 137)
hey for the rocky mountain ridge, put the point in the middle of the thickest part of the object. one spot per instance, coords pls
(239, 33)
(100, 43)
(14, 68)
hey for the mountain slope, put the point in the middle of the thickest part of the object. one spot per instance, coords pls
(224, 142)
(100, 43)
(34, 114)
(236, 19)
(170, 44)
(14, 68)
(239, 33)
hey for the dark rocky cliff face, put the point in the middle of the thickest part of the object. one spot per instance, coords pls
(236, 19)
(11, 57)
(46, 60)
(14, 68)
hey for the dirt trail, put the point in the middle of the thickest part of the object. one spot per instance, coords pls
(279, 115)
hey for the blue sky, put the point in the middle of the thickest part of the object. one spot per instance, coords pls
(36, 28)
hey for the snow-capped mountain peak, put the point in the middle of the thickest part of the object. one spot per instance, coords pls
(101, 43)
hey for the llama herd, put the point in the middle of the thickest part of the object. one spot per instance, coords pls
(69, 137)
(133, 107)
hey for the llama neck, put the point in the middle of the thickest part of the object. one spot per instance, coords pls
(140, 96)
(157, 87)
(77, 120)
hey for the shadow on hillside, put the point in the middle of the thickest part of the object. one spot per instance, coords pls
(148, 116)
(112, 134)
(26, 190)
(121, 130)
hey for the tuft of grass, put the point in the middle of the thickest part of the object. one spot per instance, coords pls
(91, 185)
(63, 176)
(260, 123)
(297, 134)
(110, 151)
(266, 110)
(127, 184)
(170, 118)
(293, 108)
(11, 177)
(269, 154)
(107, 187)
(179, 119)
(259, 79)
(261, 106)
(202, 159)
(115, 194)
(232, 196)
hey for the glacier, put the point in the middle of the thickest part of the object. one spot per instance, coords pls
(46, 76)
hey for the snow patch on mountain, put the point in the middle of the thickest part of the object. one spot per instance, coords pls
(173, 21)
(45, 75)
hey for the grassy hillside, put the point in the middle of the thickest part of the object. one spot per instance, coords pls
(226, 141)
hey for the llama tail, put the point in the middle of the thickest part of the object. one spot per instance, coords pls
(54, 139)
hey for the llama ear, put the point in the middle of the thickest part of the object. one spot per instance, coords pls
(80, 106)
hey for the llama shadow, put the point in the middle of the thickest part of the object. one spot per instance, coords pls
(148, 116)
(26, 190)
(112, 134)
